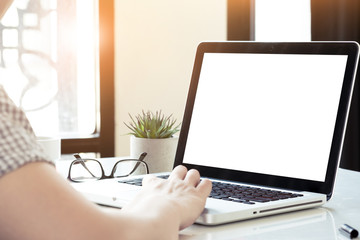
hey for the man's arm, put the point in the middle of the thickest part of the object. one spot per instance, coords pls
(37, 203)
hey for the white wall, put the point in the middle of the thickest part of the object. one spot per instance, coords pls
(155, 47)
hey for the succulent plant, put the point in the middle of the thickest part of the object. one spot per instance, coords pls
(152, 125)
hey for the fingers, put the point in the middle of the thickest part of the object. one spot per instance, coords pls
(191, 177)
(204, 187)
(179, 172)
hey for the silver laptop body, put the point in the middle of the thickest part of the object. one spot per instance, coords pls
(269, 115)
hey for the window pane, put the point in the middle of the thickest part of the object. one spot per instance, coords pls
(282, 20)
(49, 64)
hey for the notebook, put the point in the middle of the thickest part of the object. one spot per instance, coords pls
(260, 116)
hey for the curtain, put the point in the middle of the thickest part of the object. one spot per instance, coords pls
(339, 20)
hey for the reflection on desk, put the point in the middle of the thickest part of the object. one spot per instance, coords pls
(293, 225)
(318, 223)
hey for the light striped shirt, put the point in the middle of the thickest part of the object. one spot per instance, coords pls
(18, 145)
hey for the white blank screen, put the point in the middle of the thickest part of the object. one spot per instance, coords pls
(266, 113)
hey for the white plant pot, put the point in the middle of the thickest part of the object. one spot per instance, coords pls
(160, 152)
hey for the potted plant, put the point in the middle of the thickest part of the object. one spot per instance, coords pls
(154, 133)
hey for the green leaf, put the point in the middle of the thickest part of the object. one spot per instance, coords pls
(150, 125)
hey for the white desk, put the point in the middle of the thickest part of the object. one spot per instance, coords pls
(318, 223)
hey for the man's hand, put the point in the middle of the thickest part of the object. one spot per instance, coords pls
(180, 199)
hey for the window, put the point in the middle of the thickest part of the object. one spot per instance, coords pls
(269, 20)
(282, 20)
(50, 67)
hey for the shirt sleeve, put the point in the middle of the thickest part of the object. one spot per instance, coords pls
(18, 145)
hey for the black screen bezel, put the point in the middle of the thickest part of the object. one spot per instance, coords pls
(332, 48)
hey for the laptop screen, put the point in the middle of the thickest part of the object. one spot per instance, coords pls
(266, 113)
(271, 113)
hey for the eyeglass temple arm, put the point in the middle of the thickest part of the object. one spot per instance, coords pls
(77, 156)
(142, 156)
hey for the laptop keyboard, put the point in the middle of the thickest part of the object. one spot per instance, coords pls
(246, 194)
(235, 193)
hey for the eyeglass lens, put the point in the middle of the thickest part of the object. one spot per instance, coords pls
(85, 169)
(129, 167)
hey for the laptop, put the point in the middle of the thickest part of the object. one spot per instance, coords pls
(269, 118)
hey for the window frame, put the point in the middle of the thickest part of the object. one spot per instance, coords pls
(241, 20)
(102, 141)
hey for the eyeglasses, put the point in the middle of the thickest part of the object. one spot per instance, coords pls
(91, 169)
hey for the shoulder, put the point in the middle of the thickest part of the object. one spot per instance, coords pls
(18, 144)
